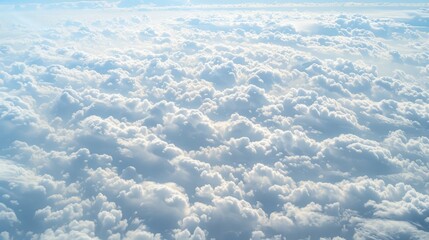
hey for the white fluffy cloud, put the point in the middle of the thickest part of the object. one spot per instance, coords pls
(213, 121)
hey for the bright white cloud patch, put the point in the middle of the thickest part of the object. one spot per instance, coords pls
(126, 120)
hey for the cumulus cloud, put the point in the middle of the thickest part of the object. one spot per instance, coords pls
(141, 119)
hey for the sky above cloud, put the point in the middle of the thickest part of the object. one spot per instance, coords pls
(122, 120)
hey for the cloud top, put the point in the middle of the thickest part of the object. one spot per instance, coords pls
(125, 123)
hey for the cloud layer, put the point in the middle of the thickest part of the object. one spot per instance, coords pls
(228, 124)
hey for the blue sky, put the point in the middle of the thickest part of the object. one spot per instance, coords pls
(173, 2)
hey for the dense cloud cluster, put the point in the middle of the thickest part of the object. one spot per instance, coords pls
(226, 124)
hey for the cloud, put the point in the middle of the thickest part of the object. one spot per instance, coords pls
(382, 230)
(176, 120)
